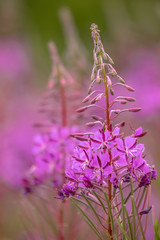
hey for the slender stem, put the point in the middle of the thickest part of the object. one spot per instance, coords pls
(110, 157)
(61, 223)
(63, 105)
(64, 123)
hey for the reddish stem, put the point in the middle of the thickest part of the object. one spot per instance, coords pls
(63, 105)
(61, 224)
(110, 157)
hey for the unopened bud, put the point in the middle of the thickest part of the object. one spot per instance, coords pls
(130, 99)
(110, 59)
(121, 80)
(116, 111)
(98, 79)
(129, 88)
(97, 118)
(82, 109)
(81, 138)
(123, 101)
(112, 71)
(111, 91)
(97, 98)
(121, 124)
(91, 87)
(109, 82)
(86, 99)
(92, 77)
(135, 109)
(90, 124)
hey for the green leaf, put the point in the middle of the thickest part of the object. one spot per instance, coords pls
(92, 208)
(80, 201)
(139, 221)
(156, 230)
(99, 200)
(121, 228)
(110, 211)
(141, 199)
(133, 210)
(88, 220)
(129, 223)
(123, 210)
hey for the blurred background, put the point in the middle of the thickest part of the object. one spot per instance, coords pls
(130, 32)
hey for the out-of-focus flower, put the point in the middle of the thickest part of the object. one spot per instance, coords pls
(144, 74)
(52, 153)
(14, 62)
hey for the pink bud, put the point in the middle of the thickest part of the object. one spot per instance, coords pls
(121, 124)
(90, 124)
(82, 109)
(111, 91)
(97, 118)
(97, 98)
(81, 139)
(116, 111)
(98, 79)
(130, 99)
(134, 109)
(121, 80)
(129, 88)
(110, 59)
(109, 83)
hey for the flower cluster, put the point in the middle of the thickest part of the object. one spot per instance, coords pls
(108, 156)
(53, 145)
(52, 151)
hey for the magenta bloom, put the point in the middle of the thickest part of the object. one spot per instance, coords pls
(91, 161)
(52, 153)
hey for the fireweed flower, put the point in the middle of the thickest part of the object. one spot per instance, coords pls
(53, 145)
(107, 165)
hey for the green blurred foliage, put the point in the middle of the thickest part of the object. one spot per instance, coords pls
(124, 24)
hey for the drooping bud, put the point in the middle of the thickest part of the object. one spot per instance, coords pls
(112, 71)
(86, 99)
(97, 98)
(110, 59)
(82, 109)
(134, 109)
(111, 91)
(121, 79)
(97, 118)
(91, 124)
(109, 82)
(129, 88)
